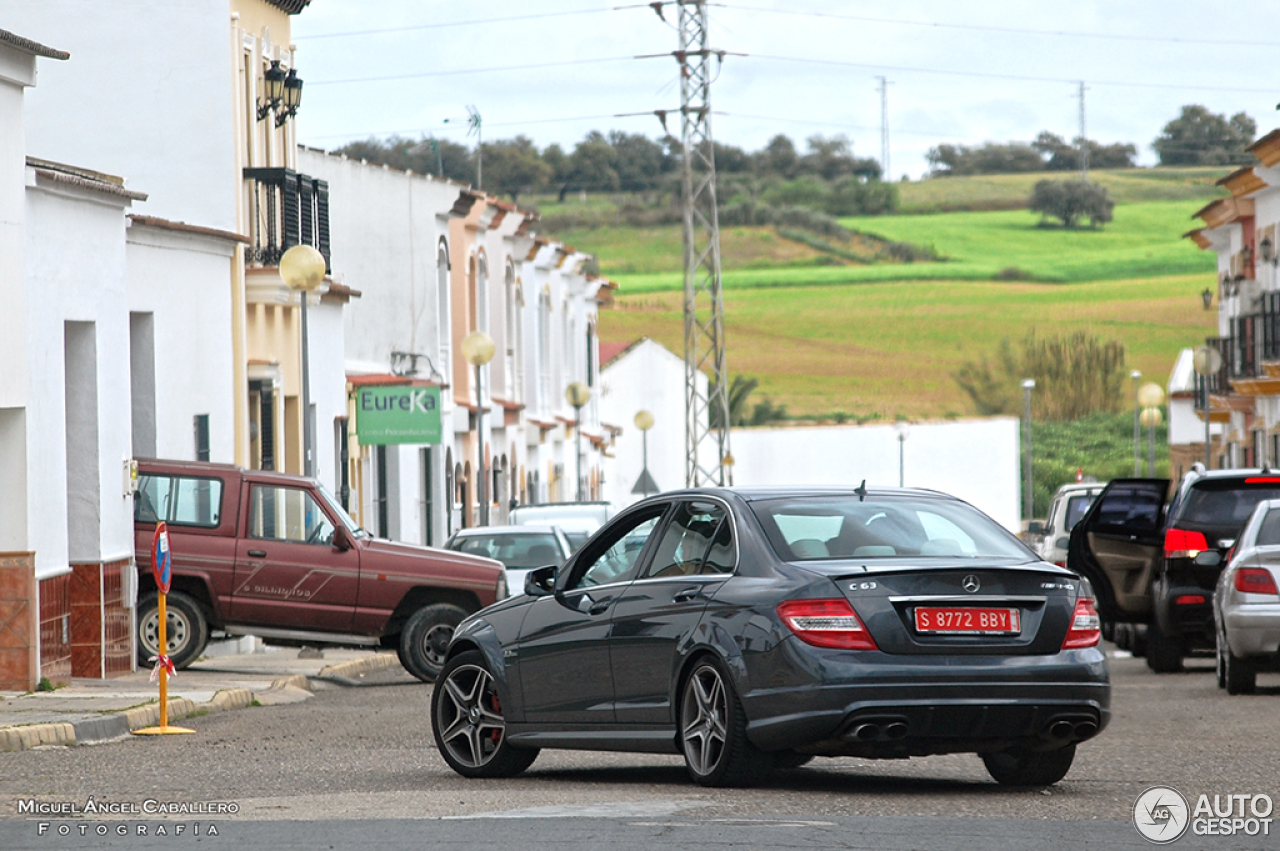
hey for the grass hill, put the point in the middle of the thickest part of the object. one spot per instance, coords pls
(832, 336)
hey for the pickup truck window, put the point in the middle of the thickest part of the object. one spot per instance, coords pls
(288, 514)
(178, 500)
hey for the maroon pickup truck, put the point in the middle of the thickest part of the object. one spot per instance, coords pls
(275, 555)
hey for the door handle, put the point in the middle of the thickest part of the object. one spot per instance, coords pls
(600, 607)
(684, 595)
(257, 553)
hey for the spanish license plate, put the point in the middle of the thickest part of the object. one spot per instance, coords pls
(966, 620)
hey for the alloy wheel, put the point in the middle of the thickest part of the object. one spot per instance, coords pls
(470, 716)
(704, 717)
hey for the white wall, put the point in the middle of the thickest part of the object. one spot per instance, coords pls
(143, 75)
(75, 260)
(647, 377)
(976, 460)
(325, 343)
(182, 279)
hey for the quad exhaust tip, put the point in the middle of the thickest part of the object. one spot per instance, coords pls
(1066, 729)
(881, 730)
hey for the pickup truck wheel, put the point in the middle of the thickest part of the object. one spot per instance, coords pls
(425, 639)
(187, 629)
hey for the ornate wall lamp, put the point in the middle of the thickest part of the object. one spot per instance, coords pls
(283, 93)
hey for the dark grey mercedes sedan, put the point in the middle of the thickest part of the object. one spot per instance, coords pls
(750, 630)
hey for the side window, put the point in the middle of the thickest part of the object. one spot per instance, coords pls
(616, 557)
(287, 514)
(1130, 505)
(178, 500)
(686, 540)
(1269, 530)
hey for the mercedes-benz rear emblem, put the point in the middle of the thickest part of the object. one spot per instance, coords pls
(971, 584)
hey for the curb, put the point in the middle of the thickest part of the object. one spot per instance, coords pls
(120, 724)
(356, 667)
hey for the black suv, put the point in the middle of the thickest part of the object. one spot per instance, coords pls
(1157, 565)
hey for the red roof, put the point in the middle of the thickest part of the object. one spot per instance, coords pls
(609, 351)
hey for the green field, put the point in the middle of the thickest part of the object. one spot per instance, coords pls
(887, 349)
(1144, 240)
(1011, 191)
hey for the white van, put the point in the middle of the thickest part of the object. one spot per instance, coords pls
(1068, 506)
(578, 520)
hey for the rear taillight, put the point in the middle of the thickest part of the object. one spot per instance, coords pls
(1179, 543)
(1255, 580)
(1086, 626)
(826, 623)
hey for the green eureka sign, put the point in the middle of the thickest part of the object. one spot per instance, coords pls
(397, 414)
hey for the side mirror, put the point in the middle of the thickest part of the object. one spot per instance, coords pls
(342, 539)
(1209, 558)
(1035, 527)
(540, 582)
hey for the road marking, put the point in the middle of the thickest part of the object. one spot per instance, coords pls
(607, 809)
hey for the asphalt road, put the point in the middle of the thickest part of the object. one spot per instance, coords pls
(356, 766)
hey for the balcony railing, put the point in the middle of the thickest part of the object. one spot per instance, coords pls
(286, 209)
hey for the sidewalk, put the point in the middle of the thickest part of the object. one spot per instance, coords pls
(90, 710)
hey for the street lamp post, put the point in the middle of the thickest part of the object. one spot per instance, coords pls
(1028, 384)
(477, 348)
(577, 394)
(1206, 361)
(302, 269)
(644, 422)
(1151, 397)
(1137, 433)
(902, 430)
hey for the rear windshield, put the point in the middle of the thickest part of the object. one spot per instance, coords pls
(515, 551)
(842, 527)
(1076, 507)
(1227, 503)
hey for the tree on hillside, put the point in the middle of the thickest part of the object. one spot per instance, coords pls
(831, 158)
(1075, 375)
(779, 157)
(513, 167)
(990, 158)
(1061, 155)
(1200, 137)
(416, 155)
(1072, 200)
(640, 161)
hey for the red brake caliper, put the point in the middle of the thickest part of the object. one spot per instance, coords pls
(495, 735)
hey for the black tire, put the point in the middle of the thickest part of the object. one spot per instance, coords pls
(1138, 641)
(1220, 664)
(424, 642)
(1123, 636)
(1238, 674)
(467, 720)
(186, 627)
(1022, 768)
(713, 730)
(1164, 652)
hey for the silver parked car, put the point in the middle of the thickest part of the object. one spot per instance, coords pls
(1246, 603)
(519, 548)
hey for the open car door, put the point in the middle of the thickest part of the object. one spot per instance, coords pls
(1119, 544)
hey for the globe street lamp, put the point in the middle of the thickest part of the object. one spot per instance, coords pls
(644, 422)
(1137, 432)
(1206, 361)
(1028, 384)
(902, 430)
(577, 394)
(1151, 397)
(477, 348)
(302, 269)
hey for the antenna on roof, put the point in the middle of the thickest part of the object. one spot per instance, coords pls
(861, 490)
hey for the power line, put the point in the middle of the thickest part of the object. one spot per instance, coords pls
(1020, 77)
(458, 71)
(445, 24)
(1009, 30)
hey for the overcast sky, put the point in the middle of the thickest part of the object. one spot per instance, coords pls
(960, 72)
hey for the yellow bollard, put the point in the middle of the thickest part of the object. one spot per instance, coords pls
(160, 556)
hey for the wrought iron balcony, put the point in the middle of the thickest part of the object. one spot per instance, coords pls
(286, 209)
